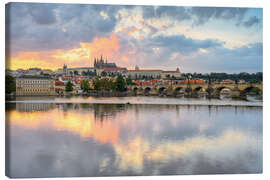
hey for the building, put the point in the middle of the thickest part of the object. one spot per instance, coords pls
(80, 71)
(47, 71)
(65, 70)
(34, 71)
(227, 81)
(145, 73)
(60, 87)
(153, 73)
(111, 71)
(28, 85)
(171, 74)
(100, 63)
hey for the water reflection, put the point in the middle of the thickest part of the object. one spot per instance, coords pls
(140, 100)
(61, 140)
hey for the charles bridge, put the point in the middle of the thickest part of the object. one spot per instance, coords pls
(236, 90)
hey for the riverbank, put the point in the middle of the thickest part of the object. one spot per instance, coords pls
(137, 100)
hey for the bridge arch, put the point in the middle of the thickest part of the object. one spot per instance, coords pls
(223, 90)
(162, 90)
(135, 90)
(178, 91)
(251, 90)
(198, 89)
(147, 91)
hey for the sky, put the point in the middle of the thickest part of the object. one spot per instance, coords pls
(195, 39)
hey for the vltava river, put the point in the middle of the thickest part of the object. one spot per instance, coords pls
(108, 137)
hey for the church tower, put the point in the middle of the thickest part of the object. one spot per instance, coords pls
(65, 69)
(101, 60)
(95, 62)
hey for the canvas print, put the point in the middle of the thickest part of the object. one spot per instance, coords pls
(121, 90)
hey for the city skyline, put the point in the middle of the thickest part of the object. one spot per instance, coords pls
(195, 39)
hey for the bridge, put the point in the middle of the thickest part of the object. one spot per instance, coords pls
(235, 90)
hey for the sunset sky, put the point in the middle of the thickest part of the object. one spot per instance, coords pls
(195, 39)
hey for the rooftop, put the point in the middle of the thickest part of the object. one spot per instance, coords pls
(145, 70)
(80, 68)
(114, 68)
(34, 77)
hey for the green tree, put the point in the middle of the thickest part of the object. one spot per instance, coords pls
(104, 83)
(85, 85)
(96, 83)
(69, 86)
(120, 83)
(103, 73)
(112, 84)
(10, 84)
(129, 80)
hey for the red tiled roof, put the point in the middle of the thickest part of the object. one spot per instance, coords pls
(59, 83)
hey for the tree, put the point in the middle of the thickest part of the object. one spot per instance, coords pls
(69, 86)
(112, 84)
(104, 83)
(129, 80)
(76, 73)
(85, 85)
(103, 73)
(120, 83)
(96, 83)
(10, 84)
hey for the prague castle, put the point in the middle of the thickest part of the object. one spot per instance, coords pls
(99, 63)
(102, 67)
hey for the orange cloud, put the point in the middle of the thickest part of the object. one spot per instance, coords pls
(30, 59)
(82, 56)
(106, 46)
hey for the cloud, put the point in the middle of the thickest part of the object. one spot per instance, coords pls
(183, 44)
(73, 57)
(43, 13)
(149, 36)
(243, 59)
(179, 13)
(200, 15)
(39, 27)
(204, 14)
(251, 21)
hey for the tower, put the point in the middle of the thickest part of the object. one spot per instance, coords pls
(101, 60)
(65, 69)
(95, 62)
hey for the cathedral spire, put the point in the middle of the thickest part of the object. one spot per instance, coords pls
(101, 59)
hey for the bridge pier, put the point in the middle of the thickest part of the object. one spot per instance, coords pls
(236, 93)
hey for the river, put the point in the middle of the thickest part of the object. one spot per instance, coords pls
(87, 136)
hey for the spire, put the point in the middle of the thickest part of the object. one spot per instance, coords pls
(106, 60)
(101, 60)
